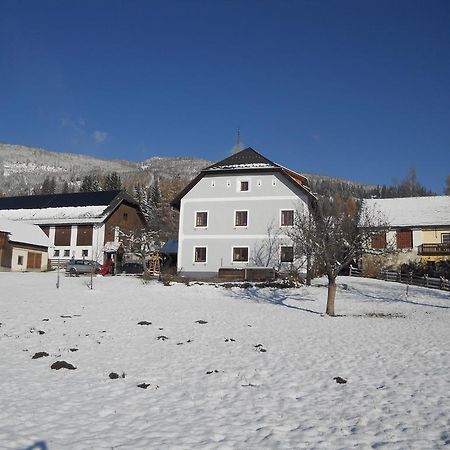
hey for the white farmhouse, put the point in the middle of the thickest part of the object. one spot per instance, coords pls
(236, 212)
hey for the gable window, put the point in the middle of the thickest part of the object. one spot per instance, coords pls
(287, 218)
(200, 254)
(201, 219)
(125, 217)
(243, 186)
(379, 240)
(241, 218)
(240, 254)
(287, 254)
(404, 239)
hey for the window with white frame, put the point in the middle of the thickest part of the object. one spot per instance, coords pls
(56, 253)
(287, 218)
(287, 253)
(84, 253)
(66, 252)
(244, 185)
(201, 219)
(200, 254)
(240, 254)
(241, 218)
(20, 260)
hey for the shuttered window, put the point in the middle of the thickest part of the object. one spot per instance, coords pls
(404, 239)
(84, 235)
(62, 236)
(379, 240)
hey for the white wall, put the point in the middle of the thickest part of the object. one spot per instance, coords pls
(220, 196)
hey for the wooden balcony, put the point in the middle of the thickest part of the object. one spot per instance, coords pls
(434, 249)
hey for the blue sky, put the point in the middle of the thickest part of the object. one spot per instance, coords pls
(357, 89)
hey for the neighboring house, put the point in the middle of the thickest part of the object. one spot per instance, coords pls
(236, 212)
(23, 247)
(419, 227)
(79, 225)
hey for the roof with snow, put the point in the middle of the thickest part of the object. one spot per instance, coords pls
(80, 207)
(413, 211)
(247, 160)
(24, 233)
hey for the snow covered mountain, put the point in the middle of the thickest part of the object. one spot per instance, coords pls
(23, 169)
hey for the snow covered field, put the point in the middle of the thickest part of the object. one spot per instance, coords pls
(258, 374)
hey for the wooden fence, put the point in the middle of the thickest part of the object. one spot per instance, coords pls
(409, 278)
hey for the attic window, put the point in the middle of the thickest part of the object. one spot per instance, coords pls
(125, 216)
(243, 186)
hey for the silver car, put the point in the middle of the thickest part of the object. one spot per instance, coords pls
(82, 266)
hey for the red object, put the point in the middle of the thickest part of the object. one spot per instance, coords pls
(105, 268)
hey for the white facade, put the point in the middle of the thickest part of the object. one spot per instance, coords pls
(225, 218)
(74, 251)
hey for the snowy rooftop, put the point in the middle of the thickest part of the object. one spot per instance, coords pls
(241, 166)
(69, 214)
(24, 233)
(413, 211)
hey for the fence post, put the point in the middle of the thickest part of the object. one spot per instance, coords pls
(425, 276)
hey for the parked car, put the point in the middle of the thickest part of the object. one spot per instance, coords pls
(81, 266)
(132, 267)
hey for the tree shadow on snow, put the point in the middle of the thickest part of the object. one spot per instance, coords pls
(440, 296)
(275, 297)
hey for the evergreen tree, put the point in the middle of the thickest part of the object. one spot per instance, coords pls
(48, 186)
(90, 183)
(447, 188)
(65, 188)
(112, 182)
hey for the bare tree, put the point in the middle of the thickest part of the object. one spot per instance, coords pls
(333, 234)
(266, 253)
(140, 243)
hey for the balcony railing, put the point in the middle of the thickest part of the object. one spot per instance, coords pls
(434, 249)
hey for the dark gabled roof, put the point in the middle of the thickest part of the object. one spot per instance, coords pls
(245, 158)
(62, 200)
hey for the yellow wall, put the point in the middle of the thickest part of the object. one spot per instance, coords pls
(433, 236)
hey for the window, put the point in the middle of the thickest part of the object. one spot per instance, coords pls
(201, 219)
(287, 218)
(445, 237)
(56, 253)
(404, 239)
(62, 236)
(287, 254)
(125, 217)
(66, 252)
(379, 240)
(20, 260)
(200, 254)
(241, 219)
(84, 235)
(240, 254)
(243, 186)
(84, 252)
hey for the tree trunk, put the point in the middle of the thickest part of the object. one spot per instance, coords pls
(330, 297)
(308, 269)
